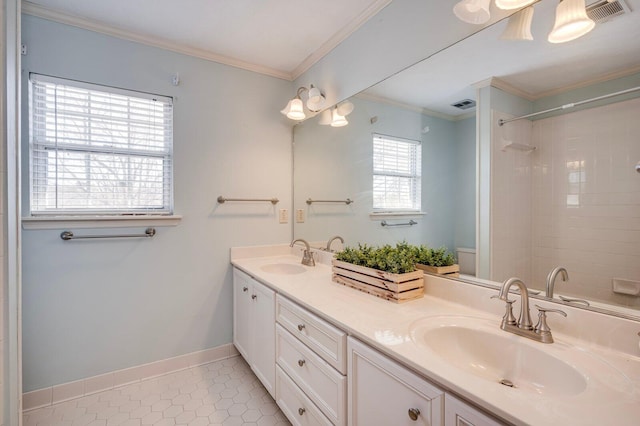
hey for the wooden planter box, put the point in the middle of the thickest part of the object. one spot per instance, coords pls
(398, 288)
(449, 271)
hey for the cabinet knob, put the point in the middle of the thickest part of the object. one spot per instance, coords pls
(414, 413)
(300, 327)
(254, 297)
(245, 288)
(301, 362)
(301, 411)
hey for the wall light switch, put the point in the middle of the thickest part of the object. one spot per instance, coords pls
(299, 216)
(284, 216)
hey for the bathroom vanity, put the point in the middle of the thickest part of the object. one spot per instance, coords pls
(332, 355)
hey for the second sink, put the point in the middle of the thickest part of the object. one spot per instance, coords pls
(472, 345)
(283, 268)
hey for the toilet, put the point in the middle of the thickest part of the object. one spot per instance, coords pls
(467, 260)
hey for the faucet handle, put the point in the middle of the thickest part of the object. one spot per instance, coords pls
(542, 326)
(508, 317)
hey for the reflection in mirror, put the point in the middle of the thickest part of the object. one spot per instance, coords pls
(557, 189)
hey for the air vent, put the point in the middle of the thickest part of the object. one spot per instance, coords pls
(602, 11)
(464, 104)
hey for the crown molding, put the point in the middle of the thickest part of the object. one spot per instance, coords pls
(92, 25)
(499, 83)
(600, 79)
(339, 37)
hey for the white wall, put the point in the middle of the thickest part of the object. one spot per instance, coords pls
(402, 34)
(511, 203)
(96, 306)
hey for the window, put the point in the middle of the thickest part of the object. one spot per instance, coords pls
(98, 150)
(396, 174)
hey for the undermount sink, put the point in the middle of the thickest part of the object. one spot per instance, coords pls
(472, 345)
(283, 268)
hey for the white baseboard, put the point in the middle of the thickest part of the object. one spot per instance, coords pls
(66, 391)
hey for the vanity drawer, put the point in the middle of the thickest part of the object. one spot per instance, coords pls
(318, 380)
(327, 341)
(294, 403)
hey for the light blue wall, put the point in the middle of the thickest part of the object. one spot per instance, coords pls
(465, 188)
(91, 307)
(336, 163)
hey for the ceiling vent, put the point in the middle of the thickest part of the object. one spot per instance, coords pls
(604, 10)
(464, 104)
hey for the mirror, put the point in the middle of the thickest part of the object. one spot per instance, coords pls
(573, 201)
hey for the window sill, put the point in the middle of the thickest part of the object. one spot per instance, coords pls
(58, 222)
(395, 215)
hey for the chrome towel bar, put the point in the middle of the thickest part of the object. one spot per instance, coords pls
(273, 201)
(410, 223)
(347, 201)
(68, 235)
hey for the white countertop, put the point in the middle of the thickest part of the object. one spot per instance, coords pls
(608, 399)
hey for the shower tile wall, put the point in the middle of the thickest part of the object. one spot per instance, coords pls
(586, 199)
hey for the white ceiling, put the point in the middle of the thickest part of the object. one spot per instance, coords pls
(536, 67)
(276, 37)
(284, 38)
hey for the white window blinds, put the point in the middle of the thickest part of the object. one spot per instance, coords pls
(396, 174)
(99, 150)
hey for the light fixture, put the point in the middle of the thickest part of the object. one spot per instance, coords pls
(571, 21)
(325, 117)
(345, 108)
(519, 25)
(295, 108)
(571, 18)
(472, 11)
(337, 120)
(513, 4)
(336, 115)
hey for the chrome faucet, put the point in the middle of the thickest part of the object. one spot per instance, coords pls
(551, 279)
(524, 322)
(307, 257)
(332, 239)
(522, 327)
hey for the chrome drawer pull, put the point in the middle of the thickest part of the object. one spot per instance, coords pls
(414, 413)
(300, 327)
(301, 362)
(301, 411)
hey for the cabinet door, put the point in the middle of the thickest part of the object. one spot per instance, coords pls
(459, 413)
(241, 312)
(382, 392)
(263, 335)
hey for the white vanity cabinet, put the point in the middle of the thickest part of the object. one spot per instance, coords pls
(254, 326)
(311, 367)
(459, 413)
(382, 392)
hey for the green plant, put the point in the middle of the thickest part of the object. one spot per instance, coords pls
(434, 257)
(397, 260)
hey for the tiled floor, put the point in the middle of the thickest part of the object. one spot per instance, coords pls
(220, 393)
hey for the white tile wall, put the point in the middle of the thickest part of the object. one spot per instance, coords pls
(573, 202)
(586, 197)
